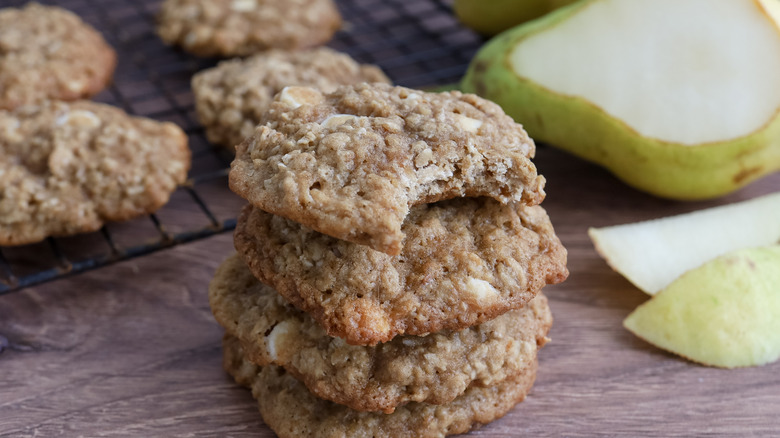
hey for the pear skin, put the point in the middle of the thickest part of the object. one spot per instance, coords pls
(663, 168)
(494, 16)
(725, 313)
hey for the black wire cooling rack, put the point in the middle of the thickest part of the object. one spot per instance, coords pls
(418, 43)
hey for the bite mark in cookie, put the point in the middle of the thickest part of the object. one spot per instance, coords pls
(351, 163)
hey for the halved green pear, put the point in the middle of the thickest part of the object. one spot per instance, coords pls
(654, 253)
(725, 313)
(679, 98)
(490, 17)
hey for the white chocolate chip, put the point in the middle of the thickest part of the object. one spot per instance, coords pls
(297, 96)
(412, 96)
(468, 124)
(135, 190)
(423, 158)
(243, 5)
(337, 120)
(54, 47)
(273, 338)
(481, 290)
(288, 98)
(10, 130)
(78, 117)
(74, 85)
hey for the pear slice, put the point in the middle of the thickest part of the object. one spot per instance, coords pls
(654, 253)
(493, 16)
(679, 98)
(725, 313)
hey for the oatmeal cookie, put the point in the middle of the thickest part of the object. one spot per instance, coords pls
(292, 411)
(433, 369)
(66, 168)
(243, 27)
(350, 164)
(231, 98)
(465, 262)
(47, 52)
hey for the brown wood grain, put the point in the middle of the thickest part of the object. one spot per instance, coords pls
(132, 349)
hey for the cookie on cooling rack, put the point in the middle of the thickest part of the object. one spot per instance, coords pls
(292, 411)
(464, 262)
(47, 52)
(243, 27)
(231, 98)
(351, 163)
(379, 378)
(66, 168)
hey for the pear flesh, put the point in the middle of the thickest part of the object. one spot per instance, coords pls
(725, 313)
(654, 253)
(679, 98)
(658, 82)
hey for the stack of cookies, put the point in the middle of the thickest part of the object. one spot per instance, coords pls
(389, 265)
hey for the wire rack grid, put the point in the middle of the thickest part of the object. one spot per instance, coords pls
(418, 43)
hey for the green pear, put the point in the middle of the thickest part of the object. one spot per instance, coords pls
(679, 98)
(490, 17)
(652, 254)
(725, 313)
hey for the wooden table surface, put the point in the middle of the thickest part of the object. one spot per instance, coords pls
(132, 349)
